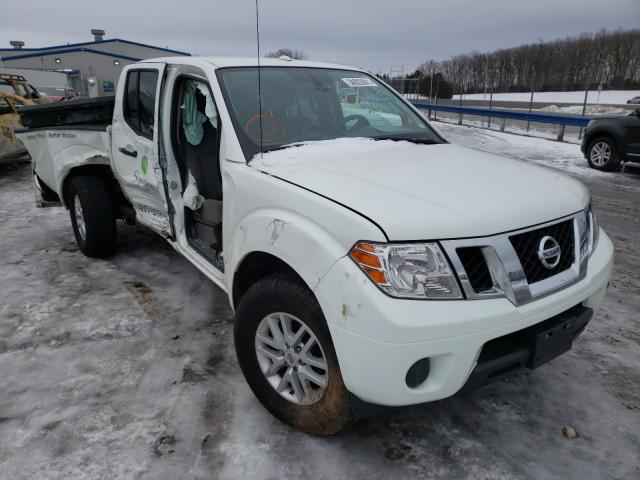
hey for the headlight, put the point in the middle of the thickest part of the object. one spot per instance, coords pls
(413, 270)
(593, 228)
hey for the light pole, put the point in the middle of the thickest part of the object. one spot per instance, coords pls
(533, 87)
(595, 69)
(430, 63)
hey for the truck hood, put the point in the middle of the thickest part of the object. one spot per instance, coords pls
(420, 192)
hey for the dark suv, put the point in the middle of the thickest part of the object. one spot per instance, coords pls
(610, 140)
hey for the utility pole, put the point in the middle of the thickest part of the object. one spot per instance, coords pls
(430, 63)
(586, 90)
(490, 105)
(486, 74)
(533, 87)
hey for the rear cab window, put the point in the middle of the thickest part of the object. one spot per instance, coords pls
(140, 101)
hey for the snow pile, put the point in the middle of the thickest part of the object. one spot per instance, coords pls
(591, 110)
(330, 151)
(616, 97)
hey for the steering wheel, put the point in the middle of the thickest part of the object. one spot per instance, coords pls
(361, 121)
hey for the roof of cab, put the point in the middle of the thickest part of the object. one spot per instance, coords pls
(222, 62)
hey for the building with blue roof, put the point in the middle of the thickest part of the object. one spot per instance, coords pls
(98, 62)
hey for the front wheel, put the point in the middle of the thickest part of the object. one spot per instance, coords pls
(286, 354)
(602, 154)
(93, 215)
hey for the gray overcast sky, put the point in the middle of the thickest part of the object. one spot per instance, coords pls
(370, 34)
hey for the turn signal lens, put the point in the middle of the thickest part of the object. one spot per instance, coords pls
(413, 270)
(364, 254)
(376, 275)
(366, 259)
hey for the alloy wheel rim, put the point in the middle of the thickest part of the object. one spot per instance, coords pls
(291, 358)
(77, 206)
(600, 153)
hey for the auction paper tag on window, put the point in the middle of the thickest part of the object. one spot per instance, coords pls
(359, 82)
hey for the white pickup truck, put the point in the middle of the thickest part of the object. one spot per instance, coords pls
(367, 259)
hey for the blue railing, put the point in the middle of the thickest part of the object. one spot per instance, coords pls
(509, 114)
(562, 120)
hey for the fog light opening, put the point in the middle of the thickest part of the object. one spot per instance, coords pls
(418, 373)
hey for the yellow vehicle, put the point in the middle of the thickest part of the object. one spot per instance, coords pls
(10, 146)
(19, 86)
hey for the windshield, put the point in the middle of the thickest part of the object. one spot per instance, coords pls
(305, 104)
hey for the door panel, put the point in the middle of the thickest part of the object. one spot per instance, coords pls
(632, 137)
(135, 151)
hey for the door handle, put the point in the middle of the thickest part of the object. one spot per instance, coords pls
(127, 151)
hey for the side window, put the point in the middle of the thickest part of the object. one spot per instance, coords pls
(140, 101)
(5, 106)
(131, 113)
(148, 83)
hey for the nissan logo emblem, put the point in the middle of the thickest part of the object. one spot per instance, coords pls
(549, 252)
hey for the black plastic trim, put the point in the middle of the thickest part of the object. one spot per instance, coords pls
(504, 355)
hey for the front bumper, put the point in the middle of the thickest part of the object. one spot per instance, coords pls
(377, 338)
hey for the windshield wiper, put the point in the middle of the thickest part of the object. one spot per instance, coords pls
(282, 147)
(421, 141)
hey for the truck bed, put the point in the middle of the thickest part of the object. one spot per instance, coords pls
(94, 112)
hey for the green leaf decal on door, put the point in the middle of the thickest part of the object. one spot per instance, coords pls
(144, 164)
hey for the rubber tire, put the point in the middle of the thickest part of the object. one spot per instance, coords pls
(285, 293)
(614, 160)
(99, 213)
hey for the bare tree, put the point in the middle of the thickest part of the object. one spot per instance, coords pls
(610, 59)
(288, 52)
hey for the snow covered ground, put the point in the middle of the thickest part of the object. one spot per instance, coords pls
(615, 97)
(124, 368)
(560, 155)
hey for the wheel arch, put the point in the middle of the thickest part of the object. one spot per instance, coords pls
(96, 169)
(255, 266)
(273, 240)
(608, 133)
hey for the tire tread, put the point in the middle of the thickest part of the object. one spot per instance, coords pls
(99, 213)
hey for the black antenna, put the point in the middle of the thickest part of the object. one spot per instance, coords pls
(259, 81)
